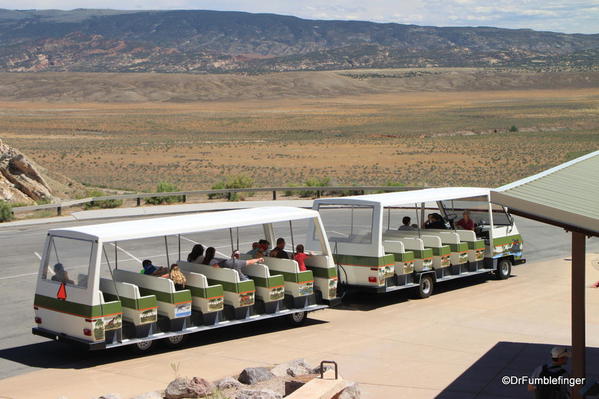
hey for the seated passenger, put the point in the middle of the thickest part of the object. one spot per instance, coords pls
(209, 258)
(466, 223)
(300, 257)
(279, 250)
(236, 264)
(152, 270)
(406, 224)
(255, 248)
(60, 274)
(435, 221)
(196, 253)
(178, 277)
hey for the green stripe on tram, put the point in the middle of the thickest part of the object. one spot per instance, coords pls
(461, 247)
(478, 244)
(422, 254)
(176, 297)
(364, 260)
(323, 272)
(507, 240)
(207, 292)
(78, 309)
(243, 286)
(269, 282)
(440, 251)
(407, 256)
(131, 303)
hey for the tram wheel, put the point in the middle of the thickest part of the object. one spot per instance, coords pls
(504, 269)
(143, 346)
(425, 289)
(175, 340)
(298, 318)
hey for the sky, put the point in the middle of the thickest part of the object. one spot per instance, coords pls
(570, 16)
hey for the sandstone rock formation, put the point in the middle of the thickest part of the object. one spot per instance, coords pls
(20, 180)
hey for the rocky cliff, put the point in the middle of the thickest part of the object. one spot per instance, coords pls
(20, 180)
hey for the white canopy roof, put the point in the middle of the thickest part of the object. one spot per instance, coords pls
(184, 224)
(409, 197)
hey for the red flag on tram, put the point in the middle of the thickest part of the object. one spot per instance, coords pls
(62, 292)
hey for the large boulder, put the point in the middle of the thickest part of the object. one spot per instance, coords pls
(258, 394)
(252, 375)
(20, 180)
(181, 388)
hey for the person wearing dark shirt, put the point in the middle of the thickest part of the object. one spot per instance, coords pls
(152, 270)
(466, 223)
(279, 250)
(435, 222)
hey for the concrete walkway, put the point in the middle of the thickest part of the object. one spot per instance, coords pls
(456, 344)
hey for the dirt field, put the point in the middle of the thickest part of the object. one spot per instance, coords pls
(416, 138)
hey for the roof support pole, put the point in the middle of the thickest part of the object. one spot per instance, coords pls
(578, 310)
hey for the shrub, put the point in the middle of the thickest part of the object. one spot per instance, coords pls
(104, 204)
(239, 181)
(5, 211)
(289, 193)
(513, 128)
(314, 182)
(164, 187)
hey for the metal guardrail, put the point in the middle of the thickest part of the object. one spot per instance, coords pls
(319, 190)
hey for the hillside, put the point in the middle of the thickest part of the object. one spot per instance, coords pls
(214, 41)
(78, 87)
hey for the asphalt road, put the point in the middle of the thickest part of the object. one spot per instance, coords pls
(20, 248)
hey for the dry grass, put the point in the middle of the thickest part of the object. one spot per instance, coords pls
(434, 138)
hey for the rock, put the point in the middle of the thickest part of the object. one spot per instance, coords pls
(228, 383)
(181, 388)
(352, 391)
(20, 180)
(252, 375)
(293, 368)
(149, 395)
(258, 394)
(110, 396)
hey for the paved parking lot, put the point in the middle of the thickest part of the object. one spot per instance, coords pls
(456, 344)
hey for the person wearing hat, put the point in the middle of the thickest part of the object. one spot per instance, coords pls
(237, 264)
(555, 369)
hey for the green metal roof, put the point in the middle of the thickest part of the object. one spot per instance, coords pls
(567, 195)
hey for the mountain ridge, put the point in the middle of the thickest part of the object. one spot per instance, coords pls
(202, 41)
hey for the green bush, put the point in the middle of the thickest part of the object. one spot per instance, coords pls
(513, 128)
(240, 181)
(5, 211)
(164, 187)
(314, 182)
(103, 204)
(289, 193)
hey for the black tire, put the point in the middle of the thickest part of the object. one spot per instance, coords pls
(175, 341)
(297, 318)
(143, 347)
(425, 289)
(504, 269)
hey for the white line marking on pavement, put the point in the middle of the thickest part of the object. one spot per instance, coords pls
(38, 255)
(18, 275)
(127, 253)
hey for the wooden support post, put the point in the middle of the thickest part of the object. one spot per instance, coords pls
(317, 193)
(184, 198)
(578, 310)
(59, 211)
(274, 195)
(138, 201)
